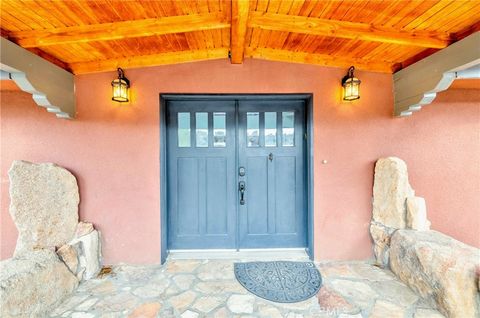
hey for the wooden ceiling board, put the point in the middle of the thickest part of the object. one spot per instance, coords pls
(408, 12)
(395, 32)
(286, 7)
(468, 16)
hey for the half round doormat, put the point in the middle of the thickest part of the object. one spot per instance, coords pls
(280, 281)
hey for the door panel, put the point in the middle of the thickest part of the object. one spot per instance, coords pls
(201, 178)
(271, 148)
(257, 207)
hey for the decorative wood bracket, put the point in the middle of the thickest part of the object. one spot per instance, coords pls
(418, 84)
(51, 86)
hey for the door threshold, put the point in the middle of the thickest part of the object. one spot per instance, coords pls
(261, 254)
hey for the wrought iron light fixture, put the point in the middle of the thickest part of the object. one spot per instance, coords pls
(120, 87)
(351, 86)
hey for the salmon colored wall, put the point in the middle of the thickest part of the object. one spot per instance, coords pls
(113, 150)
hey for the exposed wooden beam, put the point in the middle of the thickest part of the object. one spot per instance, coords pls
(120, 30)
(149, 60)
(238, 30)
(318, 59)
(346, 30)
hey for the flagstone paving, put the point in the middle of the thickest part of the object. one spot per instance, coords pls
(207, 288)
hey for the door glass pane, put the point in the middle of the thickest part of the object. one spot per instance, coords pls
(184, 129)
(219, 130)
(201, 133)
(288, 130)
(270, 129)
(253, 129)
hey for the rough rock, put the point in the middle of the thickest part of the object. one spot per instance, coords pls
(83, 228)
(68, 255)
(439, 268)
(417, 214)
(89, 255)
(381, 242)
(44, 205)
(34, 285)
(390, 190)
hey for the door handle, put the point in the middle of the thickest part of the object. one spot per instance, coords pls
(270, 157)
(241, 188)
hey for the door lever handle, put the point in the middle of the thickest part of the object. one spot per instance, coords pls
(241, 188)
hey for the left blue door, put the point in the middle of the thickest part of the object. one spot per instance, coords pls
(201, 176)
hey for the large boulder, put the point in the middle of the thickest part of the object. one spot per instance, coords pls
(439, 268)
(31, 286)
(44, 205)
(390, 190)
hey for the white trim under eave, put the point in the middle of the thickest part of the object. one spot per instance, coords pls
(418, 84)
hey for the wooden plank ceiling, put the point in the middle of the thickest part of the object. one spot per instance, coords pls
(92, 36)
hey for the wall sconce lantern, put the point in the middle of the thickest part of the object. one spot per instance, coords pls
(351, 86)
(120, 87)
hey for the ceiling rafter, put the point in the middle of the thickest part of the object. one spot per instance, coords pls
(240, 10)
(120, 30)
(149, 60)
(346, 30)
(318, 59)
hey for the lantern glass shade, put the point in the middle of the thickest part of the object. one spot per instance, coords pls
(351, 86)
(120, 88)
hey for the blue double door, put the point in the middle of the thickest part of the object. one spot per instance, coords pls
(235, 174)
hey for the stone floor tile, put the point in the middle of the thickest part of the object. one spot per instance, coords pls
(293, 315)
(395, 291)
(383, 309)
(82, 315)
(116, 302)
(359, 293)
(189, 314)
(146, 310)
(220, 287)
(182, 266)
(182, 301)
(240, 304)
(328, 270)
(87, 304)
(216, 271)
(221, 313)
(269, 311)
(206, 304)
(371, 272)
(184, 281)
(427, 313)
(151, 290)
(71, 302)
(332, 302)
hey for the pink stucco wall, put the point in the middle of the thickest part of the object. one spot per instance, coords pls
(113, 150)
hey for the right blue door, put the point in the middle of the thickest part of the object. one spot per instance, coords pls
(272, 211)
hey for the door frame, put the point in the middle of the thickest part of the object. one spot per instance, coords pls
(166, 97)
